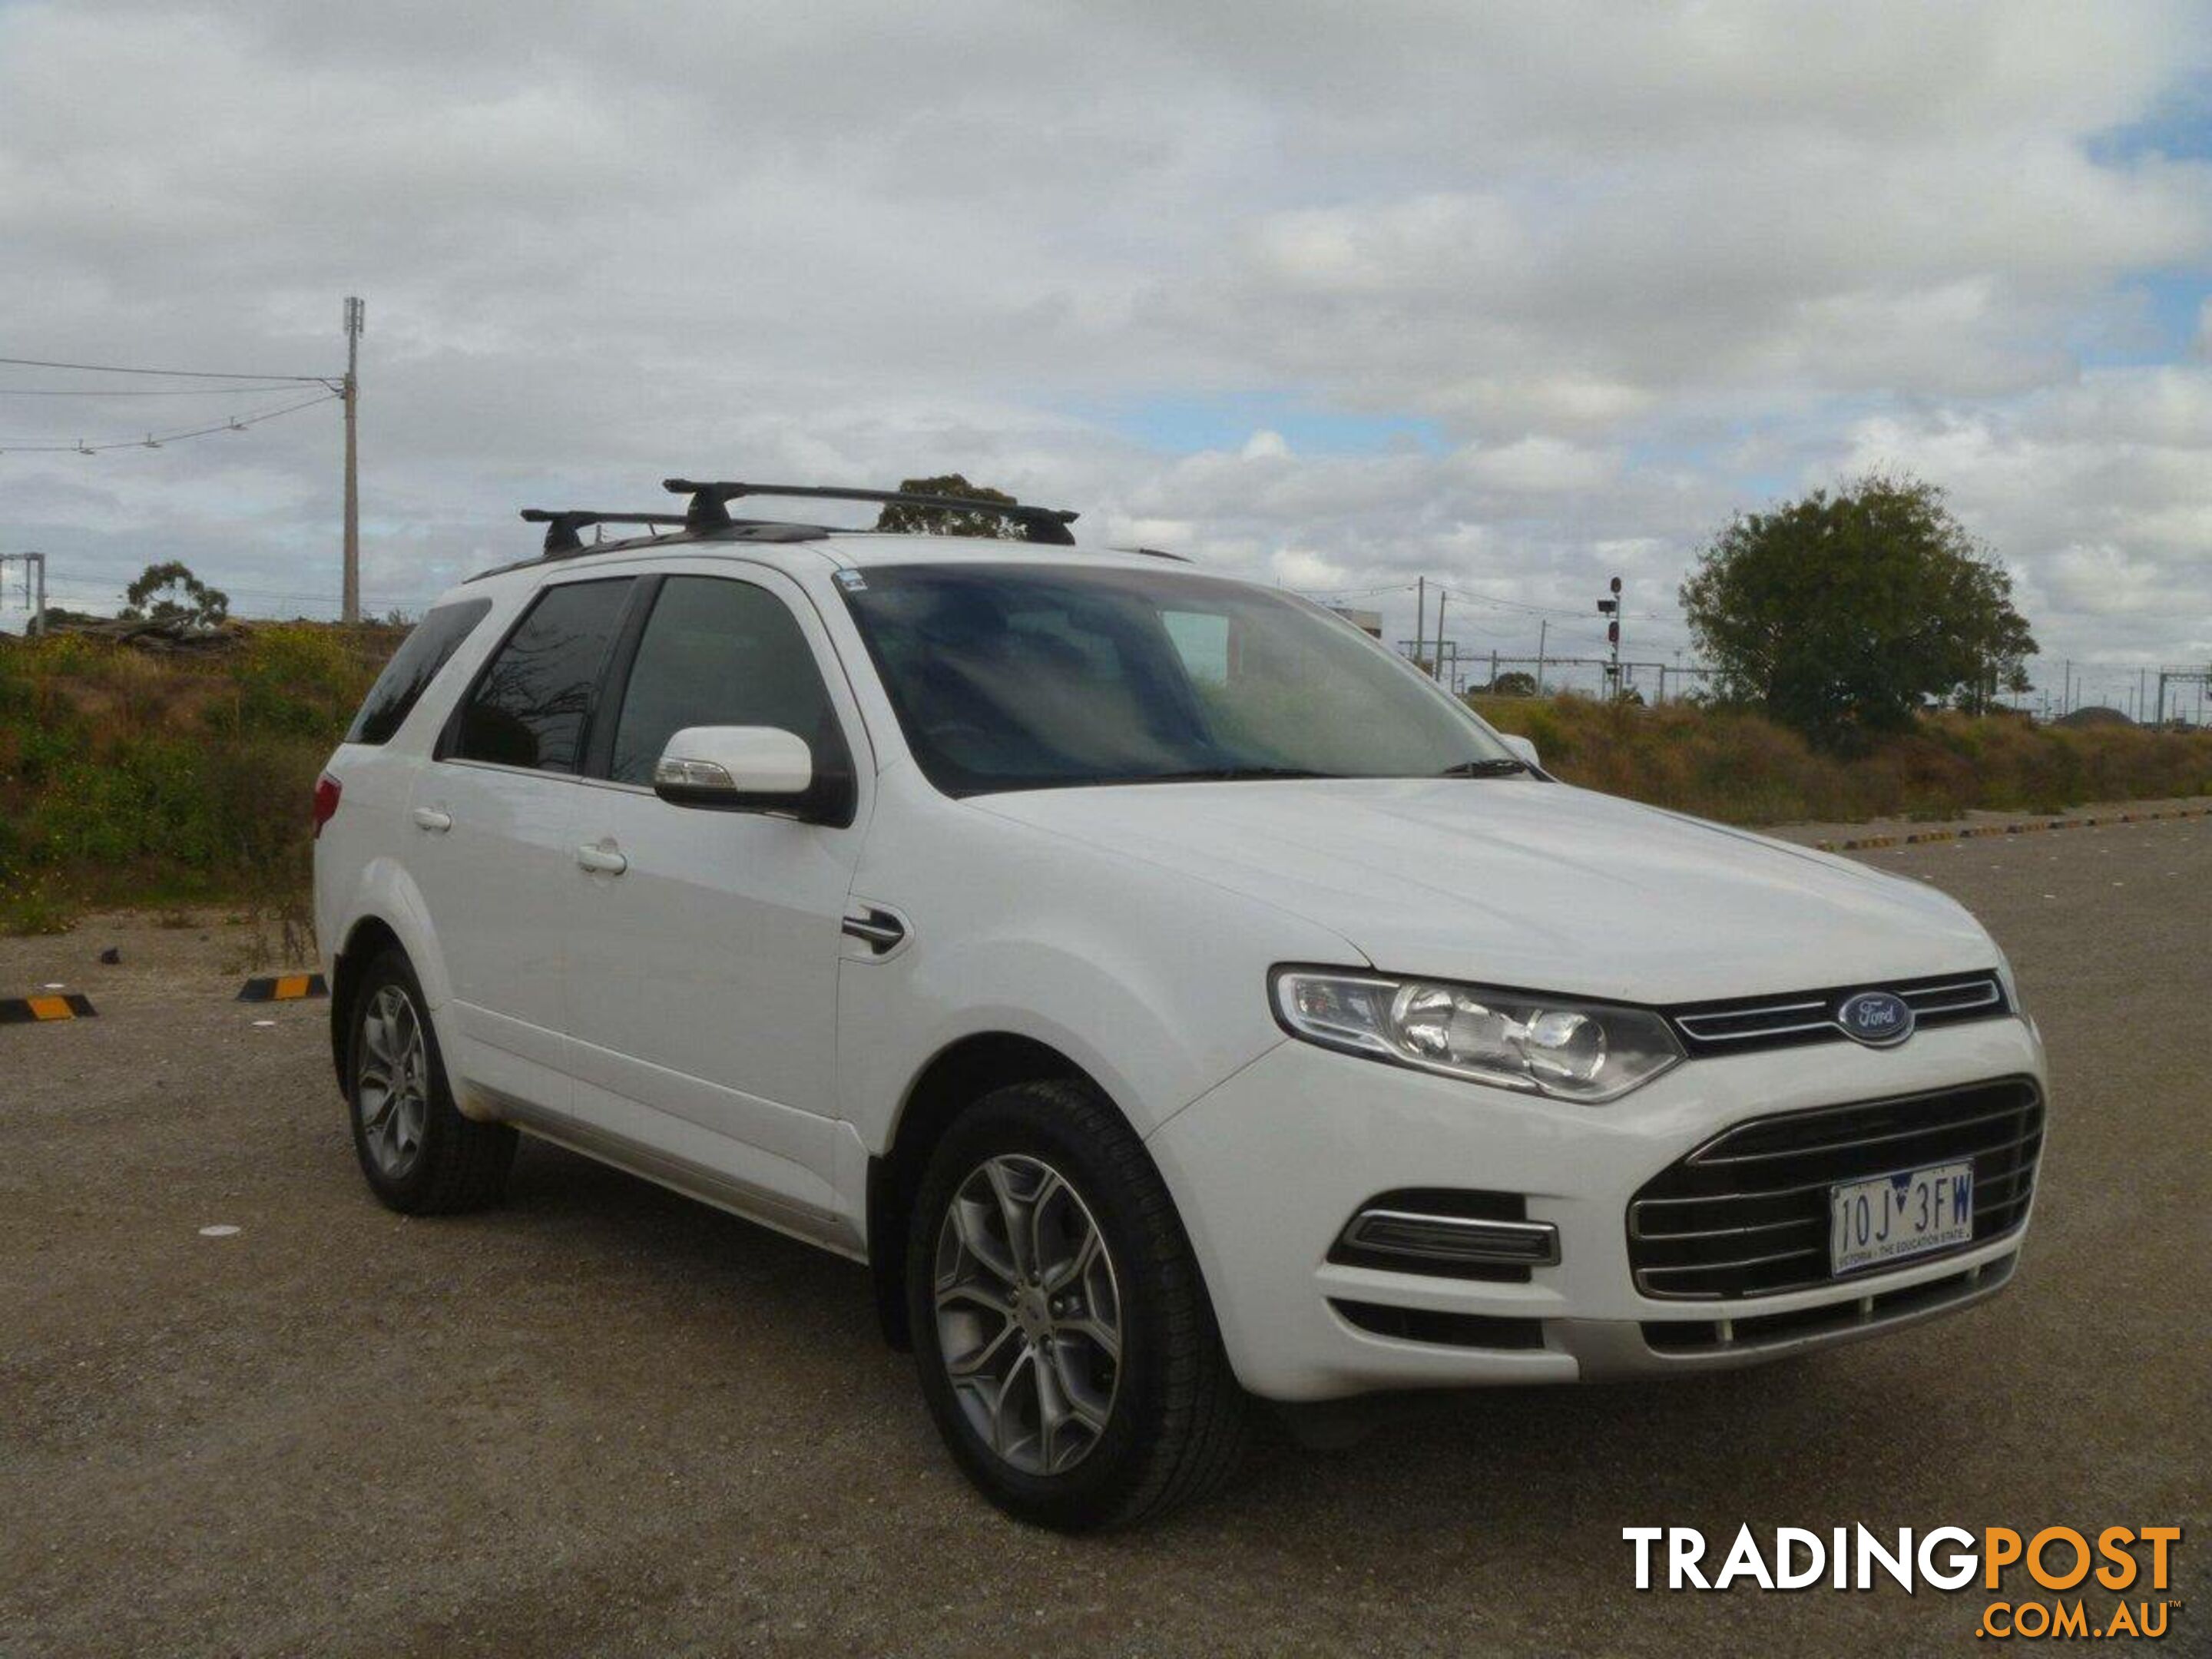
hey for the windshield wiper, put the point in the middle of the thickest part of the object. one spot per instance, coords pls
(1498, 766)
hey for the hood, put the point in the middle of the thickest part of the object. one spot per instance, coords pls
(1511, 881)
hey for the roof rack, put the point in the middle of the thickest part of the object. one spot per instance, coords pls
(561, 527)
(709, 510)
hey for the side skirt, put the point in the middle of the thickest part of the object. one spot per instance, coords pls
(694, 1181)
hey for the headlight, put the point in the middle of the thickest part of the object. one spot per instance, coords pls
(1512, 1039)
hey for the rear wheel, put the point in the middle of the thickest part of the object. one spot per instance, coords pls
(420, 1155)
(1065, 1346)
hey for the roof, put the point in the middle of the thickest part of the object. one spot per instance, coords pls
(843, 550)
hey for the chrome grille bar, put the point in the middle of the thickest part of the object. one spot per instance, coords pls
(1716, 1224)
(1704, 1157)
(1744, 1024)
(1753, 1194)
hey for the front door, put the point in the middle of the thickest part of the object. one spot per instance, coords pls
(702, 971)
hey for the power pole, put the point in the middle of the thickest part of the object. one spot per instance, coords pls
(1441, 595)
(1542, 626)
(1420, 619)
(350, 607)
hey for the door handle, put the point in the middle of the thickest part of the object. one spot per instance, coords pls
(603, 859)
(430, 818)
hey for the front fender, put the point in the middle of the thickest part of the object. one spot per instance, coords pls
(1157, 996)
(1115, 1022)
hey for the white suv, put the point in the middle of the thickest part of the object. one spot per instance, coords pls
(1169, 993)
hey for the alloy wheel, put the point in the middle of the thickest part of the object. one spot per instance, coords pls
(1029, 1314)
(392, 1087)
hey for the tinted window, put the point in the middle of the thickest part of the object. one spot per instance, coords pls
(529, 708)
(1017, 678)
(412, 667)
(719, 652)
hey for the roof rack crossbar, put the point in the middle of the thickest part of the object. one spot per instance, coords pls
(561, 527)
(709, 510)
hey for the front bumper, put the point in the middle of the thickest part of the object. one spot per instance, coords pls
(1267, 1167)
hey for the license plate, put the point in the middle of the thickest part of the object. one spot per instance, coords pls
(1893, 1216)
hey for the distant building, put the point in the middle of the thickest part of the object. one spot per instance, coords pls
(1368, 621)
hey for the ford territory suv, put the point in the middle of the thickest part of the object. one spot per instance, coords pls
(1168, 994)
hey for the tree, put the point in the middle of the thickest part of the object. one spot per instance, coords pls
(1843, 613)
(948, 521)
(1511, 684)
(170, 592)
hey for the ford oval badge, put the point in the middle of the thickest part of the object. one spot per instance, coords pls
(1880, 1019)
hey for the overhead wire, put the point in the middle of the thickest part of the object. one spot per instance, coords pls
(171, 373)
(156, 439)
(144, 391)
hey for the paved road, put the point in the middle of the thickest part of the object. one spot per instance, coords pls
(605, 1419)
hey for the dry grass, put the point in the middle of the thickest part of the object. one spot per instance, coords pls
(1741, 768)
(131, 778)
(170, 782)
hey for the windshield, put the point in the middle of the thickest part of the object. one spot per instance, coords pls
(1026, 678)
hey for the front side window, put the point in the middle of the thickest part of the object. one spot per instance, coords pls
(420, 655)
(1031, 677)
(718, 651)
(529, 708)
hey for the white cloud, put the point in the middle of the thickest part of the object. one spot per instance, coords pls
(1296, 568)
(1541, 465)
(1628, 267)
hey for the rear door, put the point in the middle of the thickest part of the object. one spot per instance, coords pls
(703, 974)
(492, 843)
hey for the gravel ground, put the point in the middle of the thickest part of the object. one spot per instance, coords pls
(604, 1420)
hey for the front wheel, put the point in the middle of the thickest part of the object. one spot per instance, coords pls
(1067, 1347)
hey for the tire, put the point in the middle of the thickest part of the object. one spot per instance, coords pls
(1013, 1289)
(419, 1155)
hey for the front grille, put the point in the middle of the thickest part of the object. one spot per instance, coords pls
(1747, 1213)
(1744, 1025)
(1865, 1313)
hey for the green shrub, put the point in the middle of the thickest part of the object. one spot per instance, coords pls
(31, 902)
(297, 681)
(132, 777)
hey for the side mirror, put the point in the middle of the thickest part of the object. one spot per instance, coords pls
(737, 769)
(1523, 751)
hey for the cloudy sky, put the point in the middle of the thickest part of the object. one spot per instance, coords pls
(1514, 297)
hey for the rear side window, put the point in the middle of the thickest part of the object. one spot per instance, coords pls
(412, 667)
(718, 651)
(528, 707)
